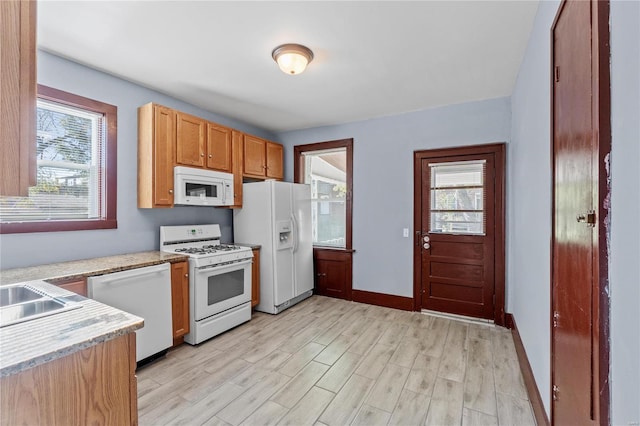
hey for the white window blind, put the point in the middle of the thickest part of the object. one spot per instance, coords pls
(70, 146)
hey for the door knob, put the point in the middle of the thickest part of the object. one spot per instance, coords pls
(426, 246)
(426, 238)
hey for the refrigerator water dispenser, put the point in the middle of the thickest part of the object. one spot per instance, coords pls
(283, 234)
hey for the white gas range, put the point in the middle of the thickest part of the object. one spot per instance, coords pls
(219, 279)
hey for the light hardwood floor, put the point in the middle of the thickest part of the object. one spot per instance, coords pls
(331, 362)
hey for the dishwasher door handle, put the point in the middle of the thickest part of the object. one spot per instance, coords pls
(133, 273)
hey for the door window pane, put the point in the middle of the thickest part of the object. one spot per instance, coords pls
(457, 197)
(325, 172)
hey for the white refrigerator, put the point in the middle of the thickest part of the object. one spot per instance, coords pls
(277, 215)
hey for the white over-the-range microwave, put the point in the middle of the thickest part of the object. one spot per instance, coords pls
(199, 187)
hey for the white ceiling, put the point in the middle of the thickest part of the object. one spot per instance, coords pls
(371, 58)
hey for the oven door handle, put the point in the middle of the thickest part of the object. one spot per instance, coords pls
(216, 268)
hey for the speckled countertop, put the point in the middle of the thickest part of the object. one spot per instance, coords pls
(88, 267)
(31, 343)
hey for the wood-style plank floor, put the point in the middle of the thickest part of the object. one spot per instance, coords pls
(331, 362)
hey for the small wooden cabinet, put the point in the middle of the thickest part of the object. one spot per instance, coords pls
(255, 278)
(96, 385)
(332, 269)
(262, 159)
(190, 140)
(17, 97)
(180, 298)
(237, 141)
(156, 155)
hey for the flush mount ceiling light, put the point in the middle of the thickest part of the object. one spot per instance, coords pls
(292, 58)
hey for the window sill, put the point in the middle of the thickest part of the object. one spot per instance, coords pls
(329, 248)
(55, 226)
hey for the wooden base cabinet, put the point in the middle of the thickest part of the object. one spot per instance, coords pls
(76, 285)
(333, 274)
(255, 278)
(180, 299)
(94, 386)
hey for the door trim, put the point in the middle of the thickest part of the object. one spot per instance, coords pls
(601, 119)
(498, 150)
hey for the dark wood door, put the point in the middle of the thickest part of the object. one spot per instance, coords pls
(576, 292)
(459, 252)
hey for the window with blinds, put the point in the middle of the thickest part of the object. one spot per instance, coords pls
(457, 197)
(70, 155)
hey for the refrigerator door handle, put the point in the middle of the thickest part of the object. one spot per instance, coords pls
(294, 248)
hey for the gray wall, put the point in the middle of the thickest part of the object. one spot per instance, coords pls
(137, 228)
(383, 179)
(530, 203)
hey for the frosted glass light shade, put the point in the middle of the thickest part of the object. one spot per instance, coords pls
(292, 58)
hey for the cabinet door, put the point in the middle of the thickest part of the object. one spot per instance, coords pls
(163, 145)
(218, 147)
(275, 155)
(190, 140)
(255, 278)
(238, 155)
(180, 298)
(18, 97)
(254, 156)
(333, 273)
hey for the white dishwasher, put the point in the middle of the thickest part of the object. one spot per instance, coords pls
(145, 292)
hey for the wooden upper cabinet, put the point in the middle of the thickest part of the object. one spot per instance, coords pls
(190, 140)
(219, 148)
(17, 97)
(275, 155)
(254, 163)
(262, 159)
(156, 155)
(237, 139)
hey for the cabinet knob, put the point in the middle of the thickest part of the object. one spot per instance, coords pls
(201, 154)
(210, 156)
(171, 191)
(186, 275)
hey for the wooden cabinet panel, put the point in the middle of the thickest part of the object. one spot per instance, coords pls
(255, 278)
(254, 156)
(333, 272)
(190, 140)
(17, 97)
(156, 155)
(219, 148)
(180, 298)
(275, 156)
(94, 386)
(76, 285)
(238, 154)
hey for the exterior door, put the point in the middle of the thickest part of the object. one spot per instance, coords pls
(578, 384)
(459, 212)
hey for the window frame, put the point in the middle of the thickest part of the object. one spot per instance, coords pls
(299, 171)
(108, 219)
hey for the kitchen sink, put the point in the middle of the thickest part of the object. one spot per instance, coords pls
(19, 303)
(17, 294)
